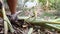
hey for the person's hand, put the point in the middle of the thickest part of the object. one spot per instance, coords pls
(14, 16)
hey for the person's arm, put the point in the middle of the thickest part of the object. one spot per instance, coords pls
(12, 5)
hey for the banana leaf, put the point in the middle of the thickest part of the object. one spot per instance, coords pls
(53, 23)
(40, 20)
(55, 26)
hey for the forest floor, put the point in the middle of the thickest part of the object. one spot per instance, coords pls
(22, 27)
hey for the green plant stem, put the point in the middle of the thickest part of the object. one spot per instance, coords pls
(7, 23)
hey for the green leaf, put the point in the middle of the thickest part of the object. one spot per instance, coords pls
(52, 1)
(57, 26)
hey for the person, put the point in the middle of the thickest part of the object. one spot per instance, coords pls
(12, 6)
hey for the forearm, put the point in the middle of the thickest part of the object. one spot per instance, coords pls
(12, 5)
